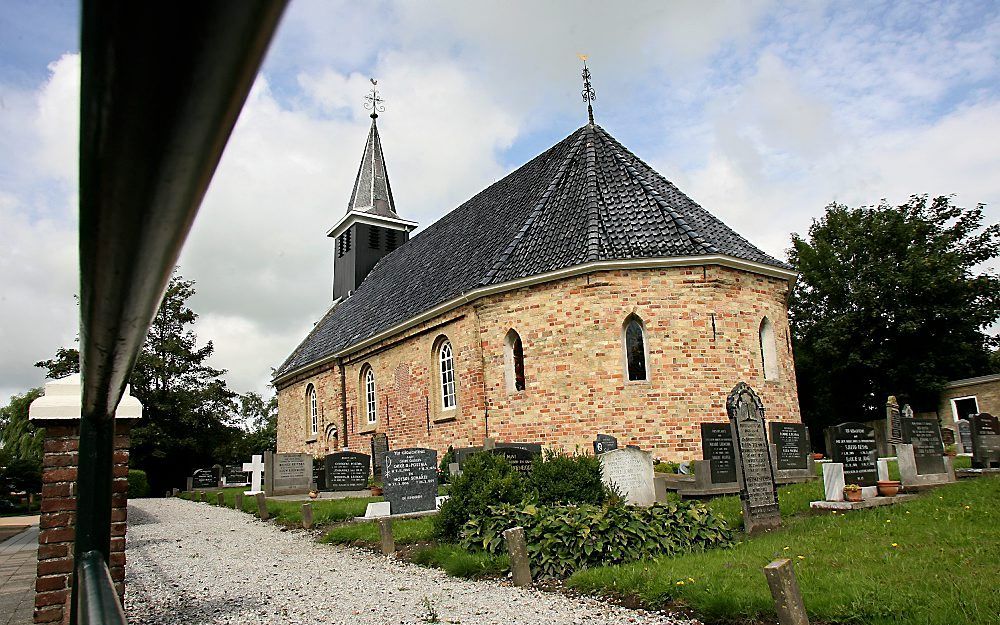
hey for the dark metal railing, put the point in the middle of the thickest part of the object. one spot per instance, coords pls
(162, 84)
(97, 599)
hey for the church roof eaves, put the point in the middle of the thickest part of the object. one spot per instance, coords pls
(586, 204)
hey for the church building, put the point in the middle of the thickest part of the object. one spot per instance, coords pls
(582, 294)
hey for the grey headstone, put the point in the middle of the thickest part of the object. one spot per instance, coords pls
(791, 444)
(630, 472)
(854, 446)
(287, 474)
(347, 470)
(928, 448)
(717, 446)
(964, 435)
(463, 453)
(410, 480)
(758, 490)
(380, 447)
(985, 441)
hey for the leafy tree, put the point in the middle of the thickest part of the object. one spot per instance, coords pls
(890, 302)
(20, 446)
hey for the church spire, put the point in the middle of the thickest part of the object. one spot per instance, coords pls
(372, 193)
(589, 95)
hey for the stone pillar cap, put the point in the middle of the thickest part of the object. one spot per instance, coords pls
(61, 402)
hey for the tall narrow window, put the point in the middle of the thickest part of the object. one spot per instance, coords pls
(371, 405)
(514, 361)
(447, 361)
(635, 349)
(313, 410)
(768, 350)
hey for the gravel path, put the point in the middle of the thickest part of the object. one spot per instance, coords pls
(193, 563)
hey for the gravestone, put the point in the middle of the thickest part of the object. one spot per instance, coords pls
(907, 411)
(965, 436)
(347, 470)
(410, 480)
(234, 475)
(630, 472)
(604, 442)
(754, 471)
(256, 470)
(520, 459)
(287, 474)
(947, 436)
(463, 453)
(791, 446)
(535, 448)
(380, 447)
(717, 448)
(204, 478)
(893, 421)
(928, 448)
(985, 441)
(319, 474)
(854, 446)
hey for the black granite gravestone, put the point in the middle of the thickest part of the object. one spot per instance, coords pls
(205, 478)
(754, 471)
(520, 459)
(985, 430)
(717, 446)
(791, 444)
(319, 473)
(965, 436)
(410, 480)
(535, 448)
(463, 453)
(928, 448)
(347, 470)
(380, 447)
(605, 442)
(854, 446)
(235, 476)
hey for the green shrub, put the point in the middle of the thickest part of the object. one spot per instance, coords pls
(486, 480)
(666, 466)
(443, 473)
(559, 478)
(138, 484)
(565, 539)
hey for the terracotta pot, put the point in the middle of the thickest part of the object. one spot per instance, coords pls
(852, 495)
(817, 456)
(888, 488)
(376, 491)
(313, 494)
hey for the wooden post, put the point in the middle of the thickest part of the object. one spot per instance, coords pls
(202, 497)
(220, 498)
(307, 515)
(167, 495)
(518, 549)
(385, 533)
(785, 590)
(262, 506)
(239, 500)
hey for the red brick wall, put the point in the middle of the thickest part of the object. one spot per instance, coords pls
(58, 518)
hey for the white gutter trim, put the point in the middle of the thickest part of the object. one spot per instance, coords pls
(372, 220)
(559, 274)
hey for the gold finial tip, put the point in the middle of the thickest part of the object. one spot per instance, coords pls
(583, 57)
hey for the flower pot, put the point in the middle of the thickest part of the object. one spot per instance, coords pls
(817, 456)
(313, 494)
(888, 488)
(852, 495)
(376, 491)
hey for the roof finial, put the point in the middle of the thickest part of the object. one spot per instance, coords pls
(373, 102)
(588, 91)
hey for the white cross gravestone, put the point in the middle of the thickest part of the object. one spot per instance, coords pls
(256, 467)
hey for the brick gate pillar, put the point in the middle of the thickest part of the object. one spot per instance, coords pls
(58, 411)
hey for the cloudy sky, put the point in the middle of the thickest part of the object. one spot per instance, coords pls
(762, 112)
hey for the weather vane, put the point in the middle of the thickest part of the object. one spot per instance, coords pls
(589, 95)
(373, 102)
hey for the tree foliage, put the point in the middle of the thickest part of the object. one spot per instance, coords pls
(20, 446)
(190, 416)
(890, 302)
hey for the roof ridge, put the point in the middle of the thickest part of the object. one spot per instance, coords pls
(590, 195)
(536, 210)
(676, 217)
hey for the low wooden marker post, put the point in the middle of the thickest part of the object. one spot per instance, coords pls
(307, 516)
(385, 533)
(203, 497)
(239, 500)
(262, 506)
(785, 590)
(220, 498)
(518, 549)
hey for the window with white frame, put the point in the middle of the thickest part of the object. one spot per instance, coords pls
(768, 350)
(446, 360)
(371, 405)
(313, 410)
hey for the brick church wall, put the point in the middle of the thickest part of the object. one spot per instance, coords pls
(576, 387)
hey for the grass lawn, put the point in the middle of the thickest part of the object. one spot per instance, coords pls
(290, 512)
(929, 561)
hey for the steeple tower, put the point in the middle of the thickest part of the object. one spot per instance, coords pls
(371, 228)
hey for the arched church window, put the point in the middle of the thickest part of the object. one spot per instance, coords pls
(313, 410)
(371, 404)
(635, 349)
(446, 362)
(768, 350)
(514, 361)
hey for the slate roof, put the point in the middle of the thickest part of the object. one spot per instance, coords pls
(585, 199)
(372, 193)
